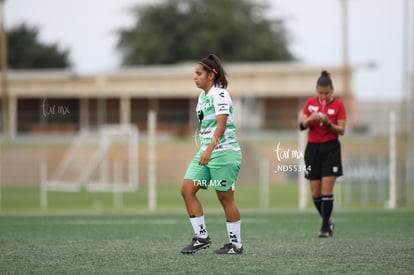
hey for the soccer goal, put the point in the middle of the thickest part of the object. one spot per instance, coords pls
(105, 160)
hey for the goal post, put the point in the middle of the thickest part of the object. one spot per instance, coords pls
(391, 203)
(302, 186)
(86, 165)
(152, 181)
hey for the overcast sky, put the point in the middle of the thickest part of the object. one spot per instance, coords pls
(87, 28)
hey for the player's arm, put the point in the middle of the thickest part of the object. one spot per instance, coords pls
(338, 128)
(218, 133)
(306, 119)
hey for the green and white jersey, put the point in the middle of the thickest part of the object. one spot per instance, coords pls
(216, 102)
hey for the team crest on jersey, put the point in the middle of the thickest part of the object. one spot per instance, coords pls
(312, 108)
(204, 105)
(331, 111)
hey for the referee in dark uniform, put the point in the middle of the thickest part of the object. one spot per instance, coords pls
(325, 117)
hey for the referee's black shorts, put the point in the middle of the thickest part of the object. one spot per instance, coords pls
(323, 160)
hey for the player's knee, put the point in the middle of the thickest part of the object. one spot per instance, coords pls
(184, 191)
(187, 189)
(316, 193)
(225, 199)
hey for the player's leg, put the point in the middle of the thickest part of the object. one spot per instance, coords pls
(226, 199)
(327, 205)
(315, 186)
(312, 160)
(331, 169)
(194, 209)
(233, 223)
(224, 179)
(193, 206)
(189, 190)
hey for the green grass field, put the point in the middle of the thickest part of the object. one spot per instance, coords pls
(284, 242)
(18, 199)
(27, 199)
(83, 233)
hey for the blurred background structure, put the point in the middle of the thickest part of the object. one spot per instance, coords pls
(273, 51)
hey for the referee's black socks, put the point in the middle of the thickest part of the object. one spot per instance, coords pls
(326, 209)
(318, 204)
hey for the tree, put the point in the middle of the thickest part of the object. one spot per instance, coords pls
(181, 30)
(26, 52)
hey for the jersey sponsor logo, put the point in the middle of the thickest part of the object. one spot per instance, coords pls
(331, 111)
(205, 132)
(223, 107)
(313, 108)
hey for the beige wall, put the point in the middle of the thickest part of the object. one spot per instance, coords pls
(260, 91)
(261, 80)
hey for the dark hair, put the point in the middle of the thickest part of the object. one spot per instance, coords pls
(325, 79)
(212, 64)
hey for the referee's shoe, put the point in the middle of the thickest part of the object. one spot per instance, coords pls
(196, 244)
(329, 232)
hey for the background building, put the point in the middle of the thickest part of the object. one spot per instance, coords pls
(265, 95)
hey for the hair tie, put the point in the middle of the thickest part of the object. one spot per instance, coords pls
(209, 67)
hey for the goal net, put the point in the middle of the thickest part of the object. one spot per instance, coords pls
(105, 160)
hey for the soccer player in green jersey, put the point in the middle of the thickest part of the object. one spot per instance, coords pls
(217, 163)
